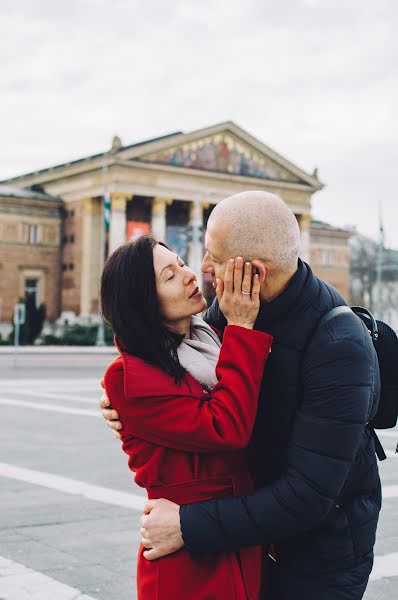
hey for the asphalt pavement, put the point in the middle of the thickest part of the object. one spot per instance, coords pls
(69, 518)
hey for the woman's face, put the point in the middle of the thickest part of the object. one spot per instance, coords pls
(178, 293)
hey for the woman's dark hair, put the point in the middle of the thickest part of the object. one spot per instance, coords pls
(129, 303)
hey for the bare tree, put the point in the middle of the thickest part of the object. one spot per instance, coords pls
(363, 278)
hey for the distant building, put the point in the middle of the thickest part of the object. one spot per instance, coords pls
(166, 186)
(30, 249)
(330, 256)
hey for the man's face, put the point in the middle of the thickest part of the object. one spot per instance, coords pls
(216, 257)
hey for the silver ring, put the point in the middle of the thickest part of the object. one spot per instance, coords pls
(246, 293)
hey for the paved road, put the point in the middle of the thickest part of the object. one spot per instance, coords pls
(69, 509)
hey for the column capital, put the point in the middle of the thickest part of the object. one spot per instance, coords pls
(91, 206)
(305, 221)
(205, 204)
(162, 200)
(119, 201)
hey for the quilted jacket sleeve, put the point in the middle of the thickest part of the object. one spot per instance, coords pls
(340, 387)
(221, 421)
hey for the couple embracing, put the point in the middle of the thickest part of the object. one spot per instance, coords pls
(248, 428)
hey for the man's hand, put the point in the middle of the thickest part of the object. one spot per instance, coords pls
(111, 416)
(160, 529)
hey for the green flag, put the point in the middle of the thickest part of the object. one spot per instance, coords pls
(107, 211)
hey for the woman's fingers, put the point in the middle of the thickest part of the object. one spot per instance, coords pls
(238, 274)
(256, 288)
(219, 289)
(247, 279)
(229, 277)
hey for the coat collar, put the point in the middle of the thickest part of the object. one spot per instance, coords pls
(301, 291)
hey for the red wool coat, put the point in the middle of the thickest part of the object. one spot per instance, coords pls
(188, 445)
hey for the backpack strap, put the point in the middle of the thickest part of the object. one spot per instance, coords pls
(334, 312)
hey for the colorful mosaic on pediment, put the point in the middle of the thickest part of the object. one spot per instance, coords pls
(222, 153)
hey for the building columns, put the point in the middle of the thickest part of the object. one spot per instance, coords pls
(158, 218)
(304, 224)
(91, 222)
(195, 249)
(117, 230)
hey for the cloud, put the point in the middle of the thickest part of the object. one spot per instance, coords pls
(315, 80)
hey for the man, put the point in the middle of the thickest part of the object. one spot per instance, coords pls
(318, 489)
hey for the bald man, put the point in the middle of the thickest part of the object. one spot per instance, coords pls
(313, 457)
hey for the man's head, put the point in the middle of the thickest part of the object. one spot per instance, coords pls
(257, 226)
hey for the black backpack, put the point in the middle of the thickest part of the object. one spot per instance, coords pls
(385, 342)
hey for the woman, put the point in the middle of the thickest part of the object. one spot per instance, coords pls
(187, 406)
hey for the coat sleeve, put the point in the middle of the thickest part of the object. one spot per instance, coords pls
(221, 421)
(339, 391)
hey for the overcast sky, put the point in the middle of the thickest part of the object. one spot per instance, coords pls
(317, 80)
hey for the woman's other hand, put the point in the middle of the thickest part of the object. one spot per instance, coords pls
(110, 415)
(239, 294)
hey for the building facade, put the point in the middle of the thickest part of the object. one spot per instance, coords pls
(166, 186)
(30, 249)
(330, 255)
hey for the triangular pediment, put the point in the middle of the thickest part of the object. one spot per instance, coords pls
(223, 148)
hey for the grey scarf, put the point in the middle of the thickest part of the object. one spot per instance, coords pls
(199, 353)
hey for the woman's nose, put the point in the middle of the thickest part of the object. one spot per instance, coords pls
(189, 276)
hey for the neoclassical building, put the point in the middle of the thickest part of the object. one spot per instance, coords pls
(166, 186)
(30, 249)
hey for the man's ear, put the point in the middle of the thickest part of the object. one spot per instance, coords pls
(261, 270)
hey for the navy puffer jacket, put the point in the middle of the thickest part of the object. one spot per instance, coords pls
(318, 489)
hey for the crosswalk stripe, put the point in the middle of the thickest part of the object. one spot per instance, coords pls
(389, 491)
(73, 486)
(51, 407)
(391, 453)
(385, 566)
(389, 434)
(49, 382)
(72, 397)
(18, 582)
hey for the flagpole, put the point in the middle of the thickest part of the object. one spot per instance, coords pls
(105, 222)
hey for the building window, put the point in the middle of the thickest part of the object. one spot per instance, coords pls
(32, 289)
(33, 237)
(326, 258)
(69, 239)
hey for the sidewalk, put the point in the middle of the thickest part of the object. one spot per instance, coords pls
(109, 350)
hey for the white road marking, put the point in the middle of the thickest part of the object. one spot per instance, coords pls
(391, 453)
(45, 383)
(389, 491)
(386, 433)
(73, 486)
(69, 397)
(18, 582)
(52, 407)
(385, 566)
